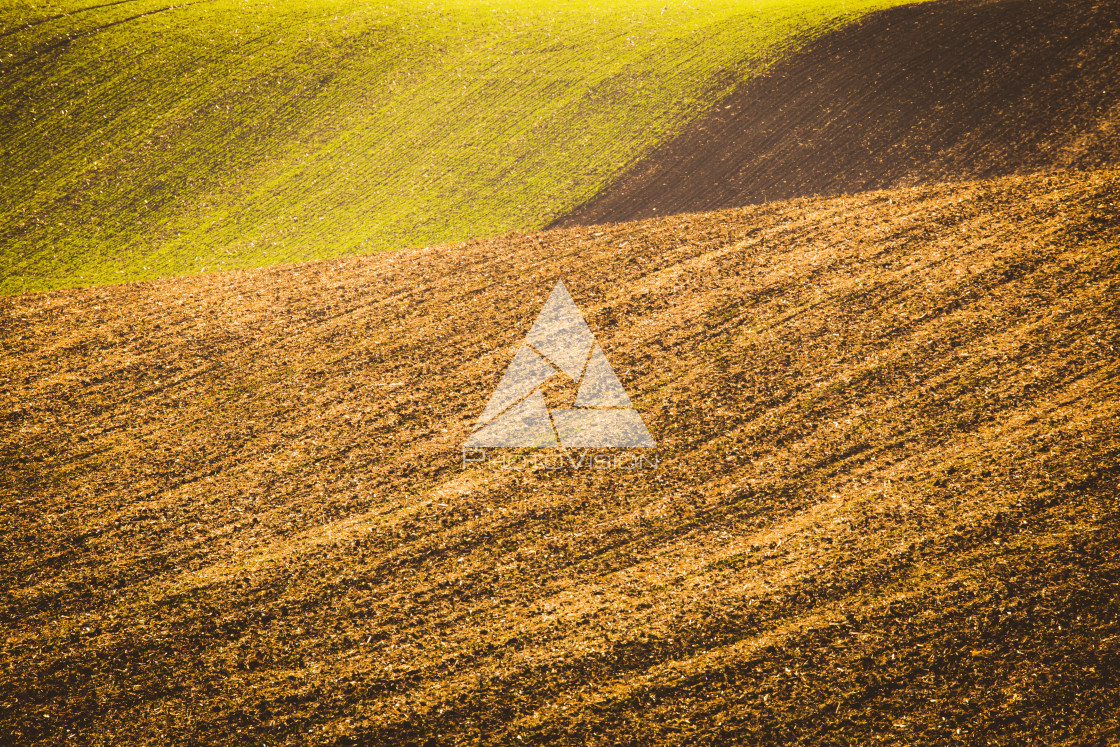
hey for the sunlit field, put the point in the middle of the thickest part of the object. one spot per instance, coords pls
(142, 140)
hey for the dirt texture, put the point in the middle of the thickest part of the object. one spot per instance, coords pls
(931, 92)
(885, 510)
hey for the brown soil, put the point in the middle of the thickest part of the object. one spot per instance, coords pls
(885, 511)
(931, 92)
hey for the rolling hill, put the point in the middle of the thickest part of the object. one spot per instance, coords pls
(143, 138)
(885, 509)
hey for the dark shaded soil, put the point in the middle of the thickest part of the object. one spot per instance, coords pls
(936, 91)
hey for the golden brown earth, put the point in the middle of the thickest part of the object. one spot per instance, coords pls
(885, 510)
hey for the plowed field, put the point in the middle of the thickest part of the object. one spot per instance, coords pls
(885, 509)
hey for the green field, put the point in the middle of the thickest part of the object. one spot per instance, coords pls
(142, 139)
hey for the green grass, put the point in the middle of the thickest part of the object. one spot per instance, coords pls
(145, 139)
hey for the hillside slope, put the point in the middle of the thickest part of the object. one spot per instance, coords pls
(143, 139)
(885, 510)
(931, 92)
